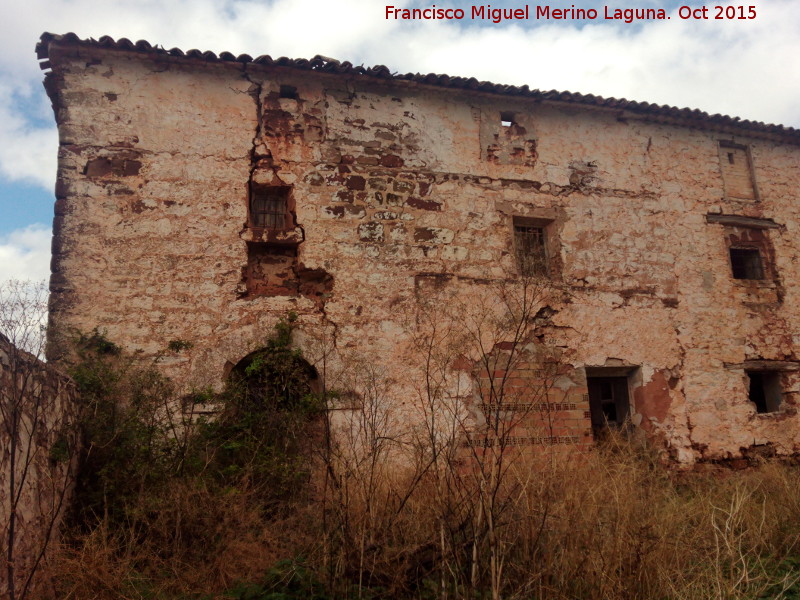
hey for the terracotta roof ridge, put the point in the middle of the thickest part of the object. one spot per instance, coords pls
(689, 116)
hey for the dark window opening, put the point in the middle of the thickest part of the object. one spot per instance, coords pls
(288, 91)
(507, 119)
(765, 390)
(746, 263)
(609, 403)
(730, 157)
(531, 249)
(269, 207)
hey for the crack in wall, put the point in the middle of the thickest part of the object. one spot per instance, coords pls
(293, 278)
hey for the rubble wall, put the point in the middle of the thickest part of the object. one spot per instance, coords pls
(397, 188)
(38, 454)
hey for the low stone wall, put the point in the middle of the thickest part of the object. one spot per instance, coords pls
(38, 454)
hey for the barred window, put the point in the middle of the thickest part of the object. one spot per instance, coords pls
(746, 263)
(529, 242)
(269, 207)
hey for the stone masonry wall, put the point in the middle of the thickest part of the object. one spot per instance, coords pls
(39, 420)
(394, 188)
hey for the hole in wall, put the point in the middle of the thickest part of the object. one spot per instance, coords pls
(507, 118)
(288, 91)
(765, 390)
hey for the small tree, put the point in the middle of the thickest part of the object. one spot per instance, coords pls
(391, 473)
(37, 406)
(472, 349)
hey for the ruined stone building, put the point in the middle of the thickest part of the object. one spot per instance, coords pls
(201, 197)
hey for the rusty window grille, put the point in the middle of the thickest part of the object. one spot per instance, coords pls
(269, 207)
(746, 263)
(531, 251)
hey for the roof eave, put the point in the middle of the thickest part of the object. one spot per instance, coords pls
(682, 117)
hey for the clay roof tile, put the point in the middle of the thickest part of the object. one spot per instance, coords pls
(687, 116)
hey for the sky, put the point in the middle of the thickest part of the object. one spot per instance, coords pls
(748, 68)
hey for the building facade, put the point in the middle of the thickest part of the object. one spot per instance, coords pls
(201, 198)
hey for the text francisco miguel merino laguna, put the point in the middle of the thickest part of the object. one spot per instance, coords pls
(496, 15)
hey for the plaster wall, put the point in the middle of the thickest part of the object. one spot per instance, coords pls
(401, 189)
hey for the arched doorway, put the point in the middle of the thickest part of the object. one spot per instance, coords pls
(276, 376)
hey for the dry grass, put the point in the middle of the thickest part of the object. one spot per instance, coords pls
(616, 524)
(189, 541)
(610, 524)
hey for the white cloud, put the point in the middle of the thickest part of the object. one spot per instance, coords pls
(27, 152)
(749, 69)
(25, 253)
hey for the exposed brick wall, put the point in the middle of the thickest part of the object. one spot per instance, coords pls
(535, 402)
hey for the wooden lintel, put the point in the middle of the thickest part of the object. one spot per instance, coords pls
(765, 365)
(740, 221)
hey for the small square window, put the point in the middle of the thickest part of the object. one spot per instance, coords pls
(269, 207)
(746, 263)
(288, 91)
(531, 249)
(765, 390)
(507, 118)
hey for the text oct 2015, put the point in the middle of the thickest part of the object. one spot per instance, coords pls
(547, 12)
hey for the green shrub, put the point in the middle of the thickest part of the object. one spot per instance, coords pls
(136, 439)
(287, 580)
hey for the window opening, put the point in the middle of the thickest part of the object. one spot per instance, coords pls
(746, 263)
(269, 207)
(765, 390)
(531, 249)
(508, 139)
(609, 403)
(737, 174)
(288, 91)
